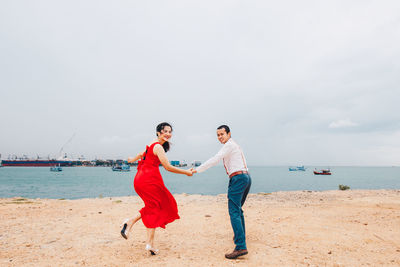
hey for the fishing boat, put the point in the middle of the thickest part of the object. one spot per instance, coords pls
(298, 168)
(178, 163)
(196, 163)
(121, 168)
(56, 168)
(323, 172)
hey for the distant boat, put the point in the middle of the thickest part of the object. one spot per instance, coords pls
(177, 163)
(323, 172)
(56, 168)
(196, 163)
(298, 168)
(121, 168)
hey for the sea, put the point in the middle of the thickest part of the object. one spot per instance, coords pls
(94, 182)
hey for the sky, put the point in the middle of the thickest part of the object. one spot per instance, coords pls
(298, 82)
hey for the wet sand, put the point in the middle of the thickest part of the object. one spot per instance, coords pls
(331, 228)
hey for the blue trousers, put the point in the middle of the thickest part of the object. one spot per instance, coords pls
(239, 186)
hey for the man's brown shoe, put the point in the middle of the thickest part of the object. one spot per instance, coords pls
(236, 253)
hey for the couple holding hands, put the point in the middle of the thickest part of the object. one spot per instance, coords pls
(160, 207)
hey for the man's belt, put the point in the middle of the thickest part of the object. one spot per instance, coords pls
(237, 173)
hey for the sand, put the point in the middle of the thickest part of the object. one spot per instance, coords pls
(331, 228)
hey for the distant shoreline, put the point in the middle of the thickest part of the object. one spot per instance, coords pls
(250, 166)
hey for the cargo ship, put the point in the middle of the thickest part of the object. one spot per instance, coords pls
(25, 161)
(35, 163)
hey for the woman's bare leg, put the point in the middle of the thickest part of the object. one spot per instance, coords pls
(150, 236)
(132, 221)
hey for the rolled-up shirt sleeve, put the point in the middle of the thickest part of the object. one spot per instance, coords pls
(225, 150)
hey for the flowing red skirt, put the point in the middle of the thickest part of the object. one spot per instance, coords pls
(160, 207)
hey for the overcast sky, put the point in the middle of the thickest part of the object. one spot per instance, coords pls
(298, 82)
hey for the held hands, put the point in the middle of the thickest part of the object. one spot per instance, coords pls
(190, 172)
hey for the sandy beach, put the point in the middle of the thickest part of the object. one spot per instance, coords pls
(331, 228)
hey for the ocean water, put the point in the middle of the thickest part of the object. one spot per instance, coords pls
(91, 182)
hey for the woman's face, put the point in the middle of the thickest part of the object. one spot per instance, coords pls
(165, 134)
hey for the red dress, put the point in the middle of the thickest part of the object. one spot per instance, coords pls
(159, 205)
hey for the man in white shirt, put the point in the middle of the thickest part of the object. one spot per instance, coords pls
(239, 185)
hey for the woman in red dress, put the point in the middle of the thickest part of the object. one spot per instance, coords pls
(159, 205)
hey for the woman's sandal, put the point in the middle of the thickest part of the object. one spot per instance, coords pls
(152, 250)
(124, 231)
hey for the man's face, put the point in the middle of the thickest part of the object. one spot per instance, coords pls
(223, 137)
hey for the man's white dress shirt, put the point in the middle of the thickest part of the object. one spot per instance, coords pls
(232, 157)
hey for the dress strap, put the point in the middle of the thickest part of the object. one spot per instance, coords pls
(151, 146)
(145, 153)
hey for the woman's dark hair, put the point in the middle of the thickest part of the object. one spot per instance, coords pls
(161, 127)
(224, 127)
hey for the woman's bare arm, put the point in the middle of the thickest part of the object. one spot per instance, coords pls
(158, 150)
(133, 159)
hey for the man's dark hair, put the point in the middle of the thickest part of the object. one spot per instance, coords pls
(224, 127)
(161, 127)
